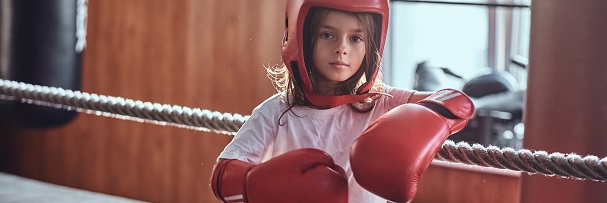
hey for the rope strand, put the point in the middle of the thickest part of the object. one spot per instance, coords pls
(127, 109)
(539, 162)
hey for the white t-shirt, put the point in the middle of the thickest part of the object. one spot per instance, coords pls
(331, 130)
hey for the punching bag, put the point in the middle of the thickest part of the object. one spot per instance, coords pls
(45, 43)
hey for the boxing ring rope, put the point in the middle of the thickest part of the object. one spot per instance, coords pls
(538, 162)
(127, 109)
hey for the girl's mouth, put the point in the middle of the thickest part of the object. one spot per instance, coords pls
(339, 64)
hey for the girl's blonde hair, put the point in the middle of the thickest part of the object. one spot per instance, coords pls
(283, 81)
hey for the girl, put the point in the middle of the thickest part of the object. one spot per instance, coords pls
(330, 90)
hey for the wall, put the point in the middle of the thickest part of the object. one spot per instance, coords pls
(197, 53)
(567, 55)
(449, 182)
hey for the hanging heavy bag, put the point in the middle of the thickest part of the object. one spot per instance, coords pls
(45, 43)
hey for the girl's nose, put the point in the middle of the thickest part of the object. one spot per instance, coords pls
(341, 48)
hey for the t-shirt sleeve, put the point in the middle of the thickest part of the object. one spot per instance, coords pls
(398, 96)
(254, 137)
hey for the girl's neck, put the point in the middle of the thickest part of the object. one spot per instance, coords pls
(328, 89)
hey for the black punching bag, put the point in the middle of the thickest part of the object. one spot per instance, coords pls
(45, 43)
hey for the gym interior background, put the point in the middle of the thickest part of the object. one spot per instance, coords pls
(197, 53)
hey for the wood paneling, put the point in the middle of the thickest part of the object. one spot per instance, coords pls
(454, 183)
(565, 106)
(197, 53)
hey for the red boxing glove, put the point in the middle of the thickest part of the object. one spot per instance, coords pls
(303, 175)
(390, 156)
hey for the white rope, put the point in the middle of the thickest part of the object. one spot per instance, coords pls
(539, 162)
(128, 109)
(555, 164)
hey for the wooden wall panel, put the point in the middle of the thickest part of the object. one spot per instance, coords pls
(197, 53)
(566, 54)
(459, 183)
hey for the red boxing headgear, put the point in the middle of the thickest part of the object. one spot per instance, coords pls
(292, 47)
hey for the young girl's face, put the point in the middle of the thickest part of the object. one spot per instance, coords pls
(339, 49)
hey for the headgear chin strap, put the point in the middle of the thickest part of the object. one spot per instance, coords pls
(292, 47)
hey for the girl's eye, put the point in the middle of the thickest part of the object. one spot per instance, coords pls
(356, 38)
(326, 35)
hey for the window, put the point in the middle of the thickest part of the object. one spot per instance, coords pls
(467, 39)
(521, 27)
